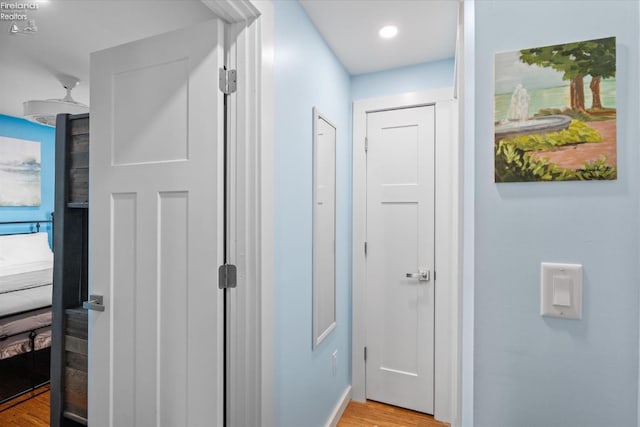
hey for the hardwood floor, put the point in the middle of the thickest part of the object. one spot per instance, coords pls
(375, 414)
(30, 410)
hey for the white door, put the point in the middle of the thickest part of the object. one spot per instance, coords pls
(155, 352)
(400, 242)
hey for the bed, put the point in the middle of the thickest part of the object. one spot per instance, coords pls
(26, 269)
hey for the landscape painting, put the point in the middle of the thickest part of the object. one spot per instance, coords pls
(19, 172)
(555, 113)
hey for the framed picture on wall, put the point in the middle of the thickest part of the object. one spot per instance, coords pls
(555, 113)
(20, 172)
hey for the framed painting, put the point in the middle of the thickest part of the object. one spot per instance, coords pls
(555, 113)
(20, 178)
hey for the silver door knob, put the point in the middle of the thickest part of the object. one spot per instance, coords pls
(422, 275)
(94, 303)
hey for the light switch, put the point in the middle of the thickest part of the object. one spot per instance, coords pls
(561, 290)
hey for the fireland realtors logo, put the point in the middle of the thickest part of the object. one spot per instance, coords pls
(17, 12)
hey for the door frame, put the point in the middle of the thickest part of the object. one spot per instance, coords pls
(447, 237)
(250, 49)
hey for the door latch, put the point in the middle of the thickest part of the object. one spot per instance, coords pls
(422, 275)
(94, 303)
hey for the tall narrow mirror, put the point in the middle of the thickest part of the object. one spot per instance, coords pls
(324, 227)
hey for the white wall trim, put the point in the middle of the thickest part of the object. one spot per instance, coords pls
(265, 219)
(447, 204)
(251, 48)
(467, 134)
(340, 407)
(234, 11)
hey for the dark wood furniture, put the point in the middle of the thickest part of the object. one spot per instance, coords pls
(70, 248)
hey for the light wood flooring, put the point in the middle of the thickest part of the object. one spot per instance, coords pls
(32, 410)
(375, 414)
(29, 410)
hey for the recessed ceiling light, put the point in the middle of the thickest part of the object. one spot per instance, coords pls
(388, 32)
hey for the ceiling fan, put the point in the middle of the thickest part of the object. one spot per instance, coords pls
(45, 111)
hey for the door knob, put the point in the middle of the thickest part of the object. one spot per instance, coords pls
(94, 303)
(422, 275)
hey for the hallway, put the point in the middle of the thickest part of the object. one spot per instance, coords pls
(376, 414)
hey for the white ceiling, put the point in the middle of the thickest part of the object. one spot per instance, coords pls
(426, 31)
(69, 30)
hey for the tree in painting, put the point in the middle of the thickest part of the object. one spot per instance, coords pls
(558, 137)
(596, 58)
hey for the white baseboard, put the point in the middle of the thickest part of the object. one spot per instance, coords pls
(340, 407)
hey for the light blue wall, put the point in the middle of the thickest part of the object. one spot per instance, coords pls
(307, 74)
(530, 370)
(19, 128)
(426, 76)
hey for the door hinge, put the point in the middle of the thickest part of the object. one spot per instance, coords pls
(365, 248)
(365, 354)
(366, 144)
(227, 276)
(228, 81)
(434, 275)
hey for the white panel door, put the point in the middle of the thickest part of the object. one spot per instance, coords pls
(155, 352)
(400, 241)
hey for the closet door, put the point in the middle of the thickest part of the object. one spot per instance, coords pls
(155, 351)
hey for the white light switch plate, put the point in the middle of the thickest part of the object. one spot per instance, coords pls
(561, 290)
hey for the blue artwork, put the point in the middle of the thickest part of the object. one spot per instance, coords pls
(19, 172)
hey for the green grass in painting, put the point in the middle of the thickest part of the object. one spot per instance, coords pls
(513, 163)
(597, 170)
(577, 133)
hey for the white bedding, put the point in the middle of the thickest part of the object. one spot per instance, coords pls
(24, 252)
(26, 299)
(23, 267)
(41, 275)
(26, 269)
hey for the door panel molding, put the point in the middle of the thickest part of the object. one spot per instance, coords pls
(252, 35)
(400, 241)
(447, 264)
(144, 212)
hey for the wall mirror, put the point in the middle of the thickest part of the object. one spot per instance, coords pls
(324, 227)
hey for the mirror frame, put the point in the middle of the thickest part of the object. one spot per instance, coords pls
(320, 332)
